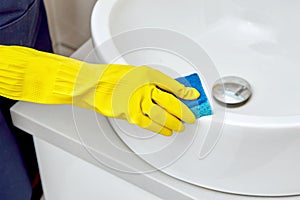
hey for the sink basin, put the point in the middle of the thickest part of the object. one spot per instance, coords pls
(252, 149)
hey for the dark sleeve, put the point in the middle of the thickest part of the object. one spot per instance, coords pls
(14, 182)
(10, 10)
(19, 22)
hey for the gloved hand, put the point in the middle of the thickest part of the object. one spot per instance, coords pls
(141, 95)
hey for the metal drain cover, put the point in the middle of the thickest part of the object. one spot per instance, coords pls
(232, 90)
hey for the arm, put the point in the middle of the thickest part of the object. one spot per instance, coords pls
(141, 95)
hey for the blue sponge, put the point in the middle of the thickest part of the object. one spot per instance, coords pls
(201, 106)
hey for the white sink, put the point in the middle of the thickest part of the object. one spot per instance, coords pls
(252, 149)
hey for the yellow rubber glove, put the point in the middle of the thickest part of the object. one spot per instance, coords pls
(141, 95)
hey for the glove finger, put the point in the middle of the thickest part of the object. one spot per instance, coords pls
(173, 106)
(146, 123)
(162, 117)
(167, 83)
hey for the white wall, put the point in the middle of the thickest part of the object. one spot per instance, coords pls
(69, 22)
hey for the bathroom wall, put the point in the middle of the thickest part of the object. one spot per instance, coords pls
(69, 22)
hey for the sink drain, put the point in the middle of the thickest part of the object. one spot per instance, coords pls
(232, 90)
